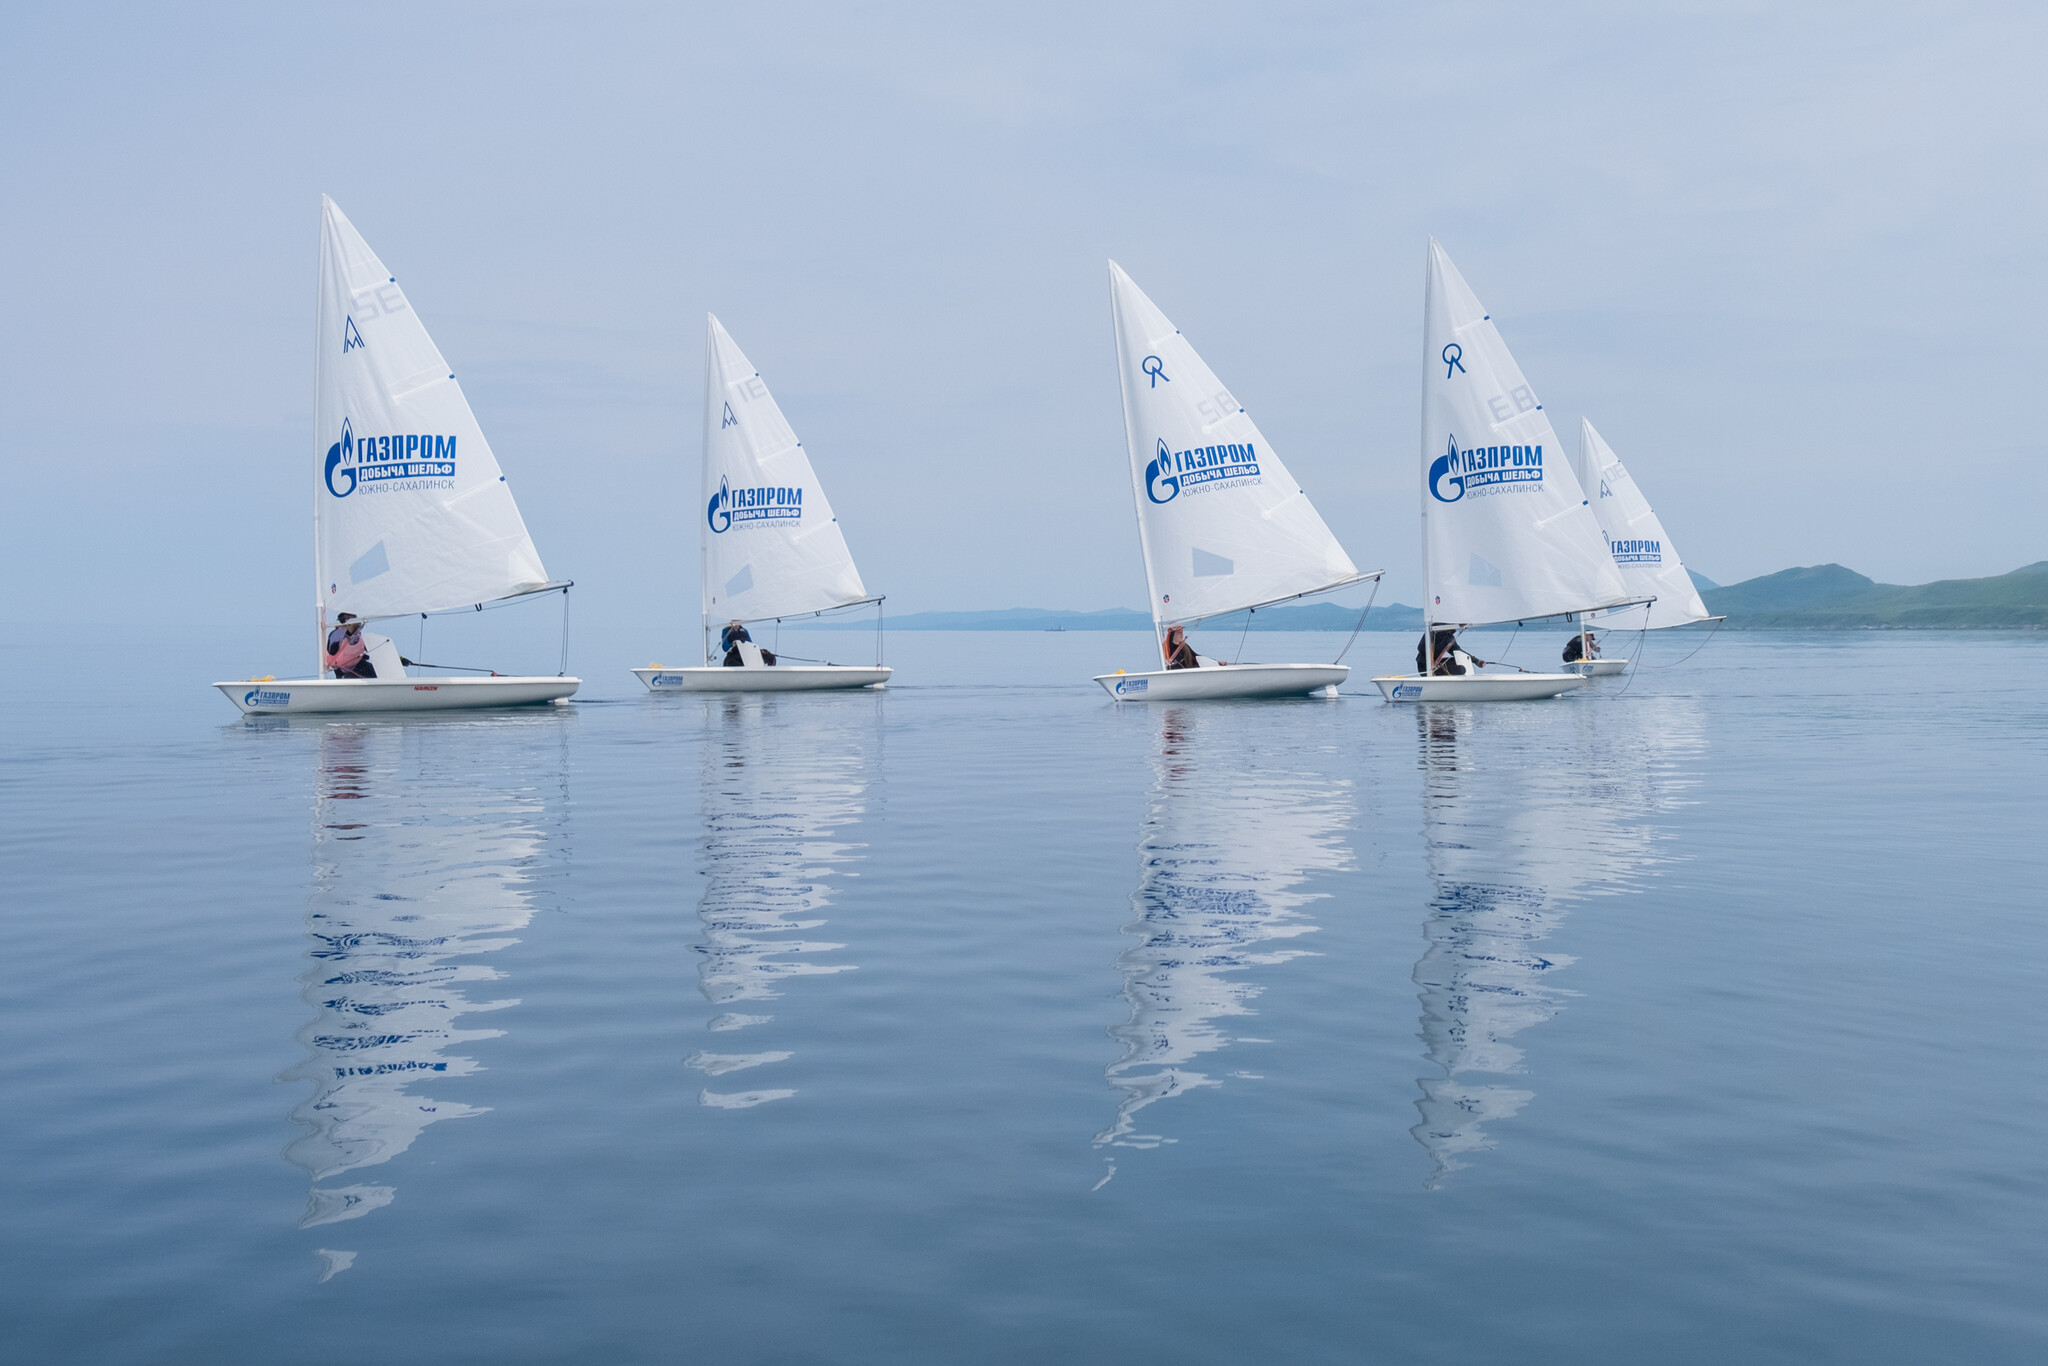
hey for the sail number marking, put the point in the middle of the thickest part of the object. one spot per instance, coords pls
(380, 302)
(1523, 399)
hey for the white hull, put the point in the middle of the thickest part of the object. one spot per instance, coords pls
(776, 678)
(309, 696)
(1597, 668)
(1481, 687)
(1226, 680)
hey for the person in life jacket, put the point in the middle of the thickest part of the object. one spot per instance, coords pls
(1581, 647)
(1181, 655)
(1450, 658)
(730, 639)
(347, 655)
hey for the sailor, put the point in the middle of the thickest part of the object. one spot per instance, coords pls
(1450, 658)
(1179, 654)
(730, 640)
(347, 655)
(1581, 646)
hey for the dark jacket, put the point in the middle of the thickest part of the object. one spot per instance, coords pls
(1446, 645)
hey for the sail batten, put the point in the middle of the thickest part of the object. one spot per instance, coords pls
(1222, 524)
(411, 510)
(772, 547)
(1508, 533)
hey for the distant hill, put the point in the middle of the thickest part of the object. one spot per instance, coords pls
(1822, 597)
(1830, 597)
(1701, 581)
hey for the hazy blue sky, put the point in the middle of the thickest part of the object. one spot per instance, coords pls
(1788, 258)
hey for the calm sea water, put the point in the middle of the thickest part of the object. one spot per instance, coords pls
(1698, 1017)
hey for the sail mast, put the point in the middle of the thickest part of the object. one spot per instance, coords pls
(704, 482)
(319, 379)
(1428, 652)
(1123, 388)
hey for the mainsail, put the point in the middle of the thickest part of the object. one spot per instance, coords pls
(772, 547)
(1506, 530)
(410, 511)
(1643, 553)
(1222, 523)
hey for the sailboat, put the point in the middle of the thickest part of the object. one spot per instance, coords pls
(1507, 533)
(1222, 524)
(411, 513)
(1643, 553)
(769, 545)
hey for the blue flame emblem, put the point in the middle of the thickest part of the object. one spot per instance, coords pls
(1444, 473)
(1159, 475)
(341, 464)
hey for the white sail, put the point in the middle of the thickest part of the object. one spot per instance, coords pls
(772, 547)
(411, 513)
(1506, 530)
(1223, 524)
(1643, 553)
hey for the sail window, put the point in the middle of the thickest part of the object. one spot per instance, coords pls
(369, 564)
(1208, 566)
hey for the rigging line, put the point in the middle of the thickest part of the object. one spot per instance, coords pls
(564, 670)
(1370, 600)
(1695, 649)
(459, 668)
(1241, 635)
(1511, 643)
(1638, 653)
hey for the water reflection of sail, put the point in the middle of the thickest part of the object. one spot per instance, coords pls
(1223, 856)
(419, 868)
(782, 778)
(1515, 833)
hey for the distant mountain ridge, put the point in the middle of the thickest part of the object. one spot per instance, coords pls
(1831, 597)
(1825, 597)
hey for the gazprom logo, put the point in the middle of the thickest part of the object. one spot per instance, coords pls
(1637, 552)
(1489, 469)
(1172, 472)
(1126, 686)
(354, 460)
(266, 697)
(759, 506)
